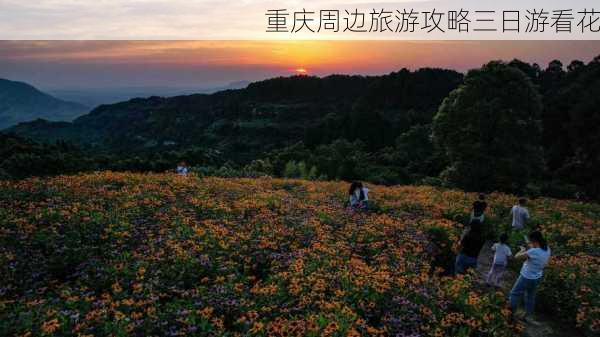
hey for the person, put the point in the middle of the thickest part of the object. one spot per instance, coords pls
(472, 222)
(501, 253)
(479, 207)
(358, 196)
(519, 214)
(470, 246)
(536, 258)
(182, 169)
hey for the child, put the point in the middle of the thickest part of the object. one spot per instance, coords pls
(501, 253)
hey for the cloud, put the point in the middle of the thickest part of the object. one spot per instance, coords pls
(204, 19)
(180, 63)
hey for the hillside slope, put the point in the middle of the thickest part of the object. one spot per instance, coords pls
(159, 254)
(266, 115)
(21, 102)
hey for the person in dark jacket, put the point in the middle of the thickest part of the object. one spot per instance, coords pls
(479, 207)
(470, 246)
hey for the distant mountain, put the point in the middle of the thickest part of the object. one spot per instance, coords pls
(94, 97)
(21, 102)
(235, 85)
(244, 123)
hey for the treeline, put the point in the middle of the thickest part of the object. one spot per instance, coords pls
(509, 126)
(512, 127)
(21, 158)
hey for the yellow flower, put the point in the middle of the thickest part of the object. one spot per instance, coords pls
(256, 327)
(116, 287)
(352, 333)
(119, 315)
(206, 313)
(50, 326)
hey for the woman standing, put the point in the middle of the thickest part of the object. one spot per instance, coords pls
(470, 246)
(536, 258)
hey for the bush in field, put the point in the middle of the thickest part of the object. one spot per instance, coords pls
(300, 170)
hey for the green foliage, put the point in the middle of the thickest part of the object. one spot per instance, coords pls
(21, 158)
(510, 126)
(572, 116)
(258, 168)
(300, 170)
(291, 170)
(489, 128)
(313, 174)
(444, 256)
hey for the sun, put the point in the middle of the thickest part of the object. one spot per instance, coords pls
(301, 71)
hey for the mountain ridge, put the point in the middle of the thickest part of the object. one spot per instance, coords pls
(264, 115)
(94, 97)
(22, 102)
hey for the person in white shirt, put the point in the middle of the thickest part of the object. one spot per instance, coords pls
(536, 258)
(501, 253)
(519, 214)
(182, 169)
(358, 196)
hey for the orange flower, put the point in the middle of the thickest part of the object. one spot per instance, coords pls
(50, 326)
(116, 287)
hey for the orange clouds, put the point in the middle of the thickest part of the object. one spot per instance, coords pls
(320, 56)
(186, 63)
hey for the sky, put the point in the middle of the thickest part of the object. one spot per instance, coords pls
(226, 20)
(206, 64)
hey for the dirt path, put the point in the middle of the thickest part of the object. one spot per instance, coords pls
(546, 327)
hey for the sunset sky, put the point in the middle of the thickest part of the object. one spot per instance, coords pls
(227, 20)
(198, 64)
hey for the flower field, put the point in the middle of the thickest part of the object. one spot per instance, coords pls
(119, 254)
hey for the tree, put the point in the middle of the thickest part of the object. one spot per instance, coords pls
(532, 70)
(418, 154)
(313, 174)
(580, 98)
(342, 160)
(554, 116)
(291, 170)
(552, 77)
(489, 128)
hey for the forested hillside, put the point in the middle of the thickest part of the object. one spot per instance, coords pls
(507, 126)
(266, 115)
